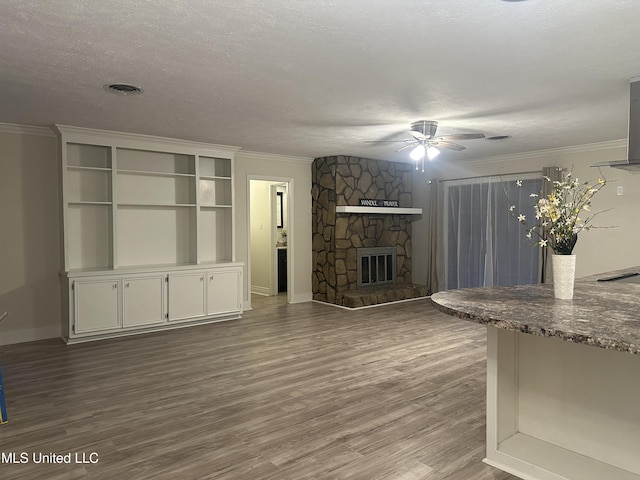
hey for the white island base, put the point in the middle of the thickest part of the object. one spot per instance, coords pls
(557, 410)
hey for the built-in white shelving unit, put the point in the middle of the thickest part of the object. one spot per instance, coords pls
(146, 221)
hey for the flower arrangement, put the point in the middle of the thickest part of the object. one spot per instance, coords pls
(558, 215)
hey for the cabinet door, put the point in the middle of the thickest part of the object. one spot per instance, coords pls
(186, 295)
(143, 301)
(96, 305)
(224, 291)
(282, 270)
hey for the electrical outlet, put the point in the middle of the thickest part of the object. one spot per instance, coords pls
(620, 190)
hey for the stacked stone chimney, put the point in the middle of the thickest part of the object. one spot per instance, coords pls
(342, 180)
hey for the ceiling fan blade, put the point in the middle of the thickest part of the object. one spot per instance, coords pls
(388, 141)
(410, 145)
(448, 145)
(460, 136)
(418, 135)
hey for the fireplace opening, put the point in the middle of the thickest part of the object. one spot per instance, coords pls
(376, 266)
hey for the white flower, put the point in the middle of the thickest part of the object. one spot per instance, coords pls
(557, 213)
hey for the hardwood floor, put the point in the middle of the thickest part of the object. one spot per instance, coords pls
(288, 392)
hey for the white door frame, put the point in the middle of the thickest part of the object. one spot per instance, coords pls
(273, 283)
(290, 230)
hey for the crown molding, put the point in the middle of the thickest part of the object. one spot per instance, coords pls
(141, 141)
(270, 157)
(26, 129)
(589, 147)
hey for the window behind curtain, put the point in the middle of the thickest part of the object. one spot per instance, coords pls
(485, 245)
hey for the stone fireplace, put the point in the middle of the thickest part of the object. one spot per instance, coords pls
(339, 182)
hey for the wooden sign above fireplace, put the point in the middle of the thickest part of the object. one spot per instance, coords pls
(374, 202)
(378, 210)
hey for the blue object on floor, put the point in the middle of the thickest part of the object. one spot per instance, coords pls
(3, 407)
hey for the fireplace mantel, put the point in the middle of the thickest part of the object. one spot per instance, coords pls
(381, 210)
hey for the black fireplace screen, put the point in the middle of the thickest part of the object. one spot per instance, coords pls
(376, 266)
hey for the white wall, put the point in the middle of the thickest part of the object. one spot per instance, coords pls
(29, 234)
(297, 170)
(262, 238)
(598, 250)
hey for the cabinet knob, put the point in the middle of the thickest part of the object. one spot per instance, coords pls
(127, 285)
(202, 279)
(211, 278)
(115, 285)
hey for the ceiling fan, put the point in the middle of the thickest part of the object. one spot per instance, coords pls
(425, 143)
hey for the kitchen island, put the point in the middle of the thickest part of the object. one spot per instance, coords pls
(563, 377)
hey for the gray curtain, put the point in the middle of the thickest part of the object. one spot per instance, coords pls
(434, 239)
(485, 243)
(544, 260)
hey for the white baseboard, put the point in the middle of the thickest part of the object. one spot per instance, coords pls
(29, 335)
(302, 298)
(375, 304)
(258, 290)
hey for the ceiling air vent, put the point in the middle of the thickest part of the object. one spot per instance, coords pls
(123, 89)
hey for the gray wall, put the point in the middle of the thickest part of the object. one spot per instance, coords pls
(29, 235)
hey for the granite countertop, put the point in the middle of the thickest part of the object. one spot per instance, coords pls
(602, 314)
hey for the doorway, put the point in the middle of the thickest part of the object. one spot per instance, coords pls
(270, 242)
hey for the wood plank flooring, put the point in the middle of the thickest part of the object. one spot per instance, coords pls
(288, 392)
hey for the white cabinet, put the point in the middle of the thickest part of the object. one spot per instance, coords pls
(106, 305)
(186, 295)
(146, 221)
(223, 291)
(143, 301)
(95, 305)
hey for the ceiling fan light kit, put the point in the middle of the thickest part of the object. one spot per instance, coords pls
(418, 152)
(432, 152)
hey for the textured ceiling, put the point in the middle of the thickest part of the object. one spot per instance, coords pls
(315, 78)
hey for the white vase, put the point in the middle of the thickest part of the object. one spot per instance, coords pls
(564, 273)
